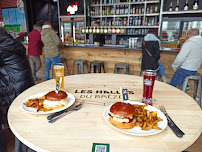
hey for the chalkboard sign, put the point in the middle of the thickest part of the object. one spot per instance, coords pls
(71, 7)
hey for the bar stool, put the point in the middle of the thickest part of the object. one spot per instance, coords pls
(197, 85)
(97, 65)
(121, 65)
(64, 61)
(80, 66)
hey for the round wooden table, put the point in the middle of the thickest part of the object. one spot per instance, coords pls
(77, 131)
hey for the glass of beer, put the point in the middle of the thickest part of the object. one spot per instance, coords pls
(59, 73)
(148, 83)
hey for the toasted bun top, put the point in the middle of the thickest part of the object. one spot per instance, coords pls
(53, 96)
(122, 109)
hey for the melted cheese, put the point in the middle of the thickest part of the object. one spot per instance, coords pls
(121, 119)
(51, 104)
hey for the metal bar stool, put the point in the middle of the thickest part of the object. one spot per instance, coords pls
(97, 65)
(121, 65)
(80, 66)
(197, 85)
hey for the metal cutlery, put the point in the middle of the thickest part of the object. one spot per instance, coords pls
(179, 133)
(63, 113)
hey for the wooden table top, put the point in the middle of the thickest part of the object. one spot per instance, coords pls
(77, 131)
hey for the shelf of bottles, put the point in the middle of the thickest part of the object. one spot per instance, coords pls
(127, 13)
(187, 7)
(115, 30)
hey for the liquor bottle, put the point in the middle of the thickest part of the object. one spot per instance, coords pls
(105, 30)
(98, 30)
(196, 4)
(131, 21)
(90, 30)
(87, 29)
(177, 6)
(83, 30)
(101, 30)
(122, 31)
(146, 21)
(113, 30)
(109, 30)
(156, 9)
(186, 6)
(170, 9)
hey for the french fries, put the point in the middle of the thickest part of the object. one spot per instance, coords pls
(146, 119)
(36, 103)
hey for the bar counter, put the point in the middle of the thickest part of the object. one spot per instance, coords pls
(112, 55)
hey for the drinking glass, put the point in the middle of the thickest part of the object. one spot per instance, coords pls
(148, 83)
(59, 72)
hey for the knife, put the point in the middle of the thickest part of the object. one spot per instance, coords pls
(179, 133)
(64, 111)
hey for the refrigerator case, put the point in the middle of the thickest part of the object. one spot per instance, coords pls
(71, 32)
(172, 29)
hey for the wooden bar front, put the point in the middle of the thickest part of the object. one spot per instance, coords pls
(110, 57)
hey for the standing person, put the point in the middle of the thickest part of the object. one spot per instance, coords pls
(52, 46)
(98, 37)
(150, 51)
(189, 59)
(35, 46)
(15, 77)
(151, 54)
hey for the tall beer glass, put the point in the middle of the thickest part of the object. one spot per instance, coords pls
(59, 72)
(148, 83)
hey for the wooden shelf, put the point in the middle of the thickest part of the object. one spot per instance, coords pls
(182, 12)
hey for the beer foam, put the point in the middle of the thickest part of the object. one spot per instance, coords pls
(58, 66)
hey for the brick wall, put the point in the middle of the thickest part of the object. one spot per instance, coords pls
(7, 4)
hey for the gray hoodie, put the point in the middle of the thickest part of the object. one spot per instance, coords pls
(190, 56)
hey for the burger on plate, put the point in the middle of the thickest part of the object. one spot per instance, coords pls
(122, 115)
(55, 100)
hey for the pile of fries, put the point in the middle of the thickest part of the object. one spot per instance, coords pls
(146, 119)
(36, 103)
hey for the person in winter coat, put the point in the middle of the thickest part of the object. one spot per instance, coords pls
(15, 77)
(151, 54)
(150, 51)
(35, 46)
(52, 46)
(189, 59)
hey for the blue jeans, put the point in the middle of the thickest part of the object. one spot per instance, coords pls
(49, 62)
(180, 75)
(161, 70)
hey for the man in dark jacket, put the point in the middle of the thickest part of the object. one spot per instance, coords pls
(35, 46)
(15, 77)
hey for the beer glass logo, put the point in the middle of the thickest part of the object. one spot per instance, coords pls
(148, 82)
(58, 74)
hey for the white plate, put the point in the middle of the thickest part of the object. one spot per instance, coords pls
(137, 130)
(70, 100)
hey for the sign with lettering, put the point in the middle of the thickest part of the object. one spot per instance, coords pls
(100, 94)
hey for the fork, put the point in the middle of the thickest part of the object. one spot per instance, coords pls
(173, 126)
(76, 108)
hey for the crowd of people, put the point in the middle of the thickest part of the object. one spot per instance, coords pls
(18, 70)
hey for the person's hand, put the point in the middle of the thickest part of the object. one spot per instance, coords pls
(175, 70)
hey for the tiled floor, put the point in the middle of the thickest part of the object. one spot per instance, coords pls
(196, 147)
